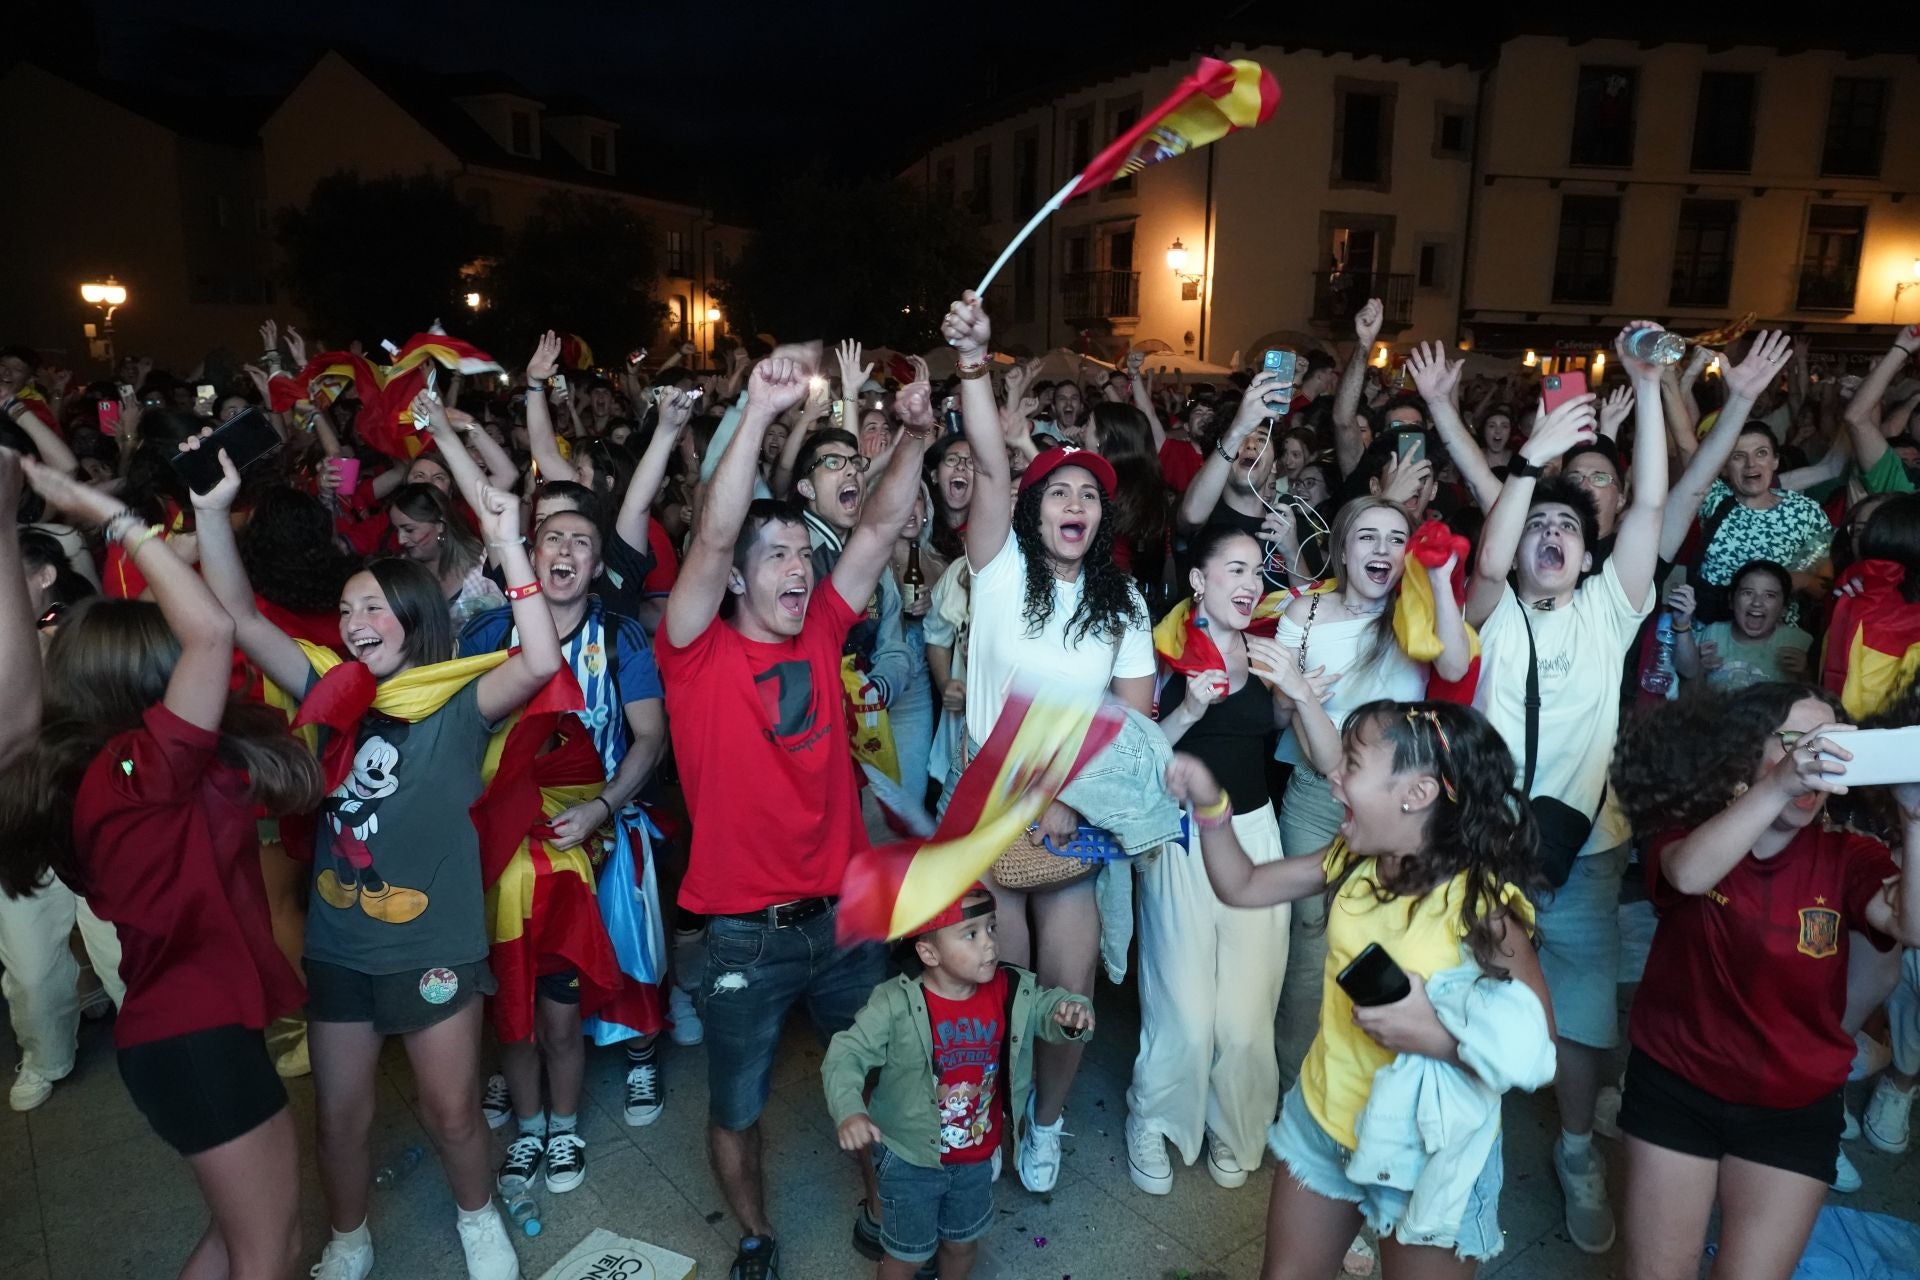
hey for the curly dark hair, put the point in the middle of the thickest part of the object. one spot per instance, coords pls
(1108, 604)
(289, 553)
(1680, 763)
(1482, 829)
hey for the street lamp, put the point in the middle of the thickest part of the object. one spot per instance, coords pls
(1178, 261)
(712, 323)
(474, 300)
(1905, 285)
(108, 295)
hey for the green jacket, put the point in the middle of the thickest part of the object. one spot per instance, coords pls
(894, 1034)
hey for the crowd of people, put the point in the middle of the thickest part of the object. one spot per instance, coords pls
(551, 709)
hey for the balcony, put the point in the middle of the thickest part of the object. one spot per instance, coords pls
(1825, 290)
(1100, 295)
(1339, 295)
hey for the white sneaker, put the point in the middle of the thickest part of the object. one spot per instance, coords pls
(997, 1162)
(1222, 1167)
(1606, 1112)
(1870, 1057)
(342, 1261)
(1846, 1178)
(1888, 1122)
(496, 1104)
(1038, 1160)
(1850, 1125)
(30, 1088)
(1147, 1162)
(489, 1252)
(687, 1027)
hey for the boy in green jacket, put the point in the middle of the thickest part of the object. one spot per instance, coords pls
(955, 1052)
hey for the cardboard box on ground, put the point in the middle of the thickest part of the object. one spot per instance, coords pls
(606, 1256)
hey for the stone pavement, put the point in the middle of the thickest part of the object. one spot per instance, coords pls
(88, 1193)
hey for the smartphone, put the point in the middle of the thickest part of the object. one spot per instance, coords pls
(1880, 756)
(634, 358)
(109, 417)
(1558, 388)
(1410, 446)
(126, 389)
(1283, 363)
(247, 437)
(203, 396)
(1374, 979)
(559, 383)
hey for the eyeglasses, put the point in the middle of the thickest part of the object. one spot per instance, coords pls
(841, 461)
(1592, 479)
(958, 461)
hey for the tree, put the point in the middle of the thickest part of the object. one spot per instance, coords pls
(583, 265)
(374, 258)
(876, 260)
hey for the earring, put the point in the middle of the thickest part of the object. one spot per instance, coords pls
(1405, 807)
(1199, 617)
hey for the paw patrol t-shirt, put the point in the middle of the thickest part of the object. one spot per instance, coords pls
(396, 860)
(967, 1039)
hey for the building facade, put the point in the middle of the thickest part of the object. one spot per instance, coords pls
(1536, 195)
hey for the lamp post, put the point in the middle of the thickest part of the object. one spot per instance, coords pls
(1178, 261)
(108, 295)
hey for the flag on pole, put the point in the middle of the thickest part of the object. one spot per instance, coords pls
(1217, 98)
(1036, 748)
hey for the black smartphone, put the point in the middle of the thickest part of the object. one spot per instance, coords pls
(247, 437)
(1374, 979)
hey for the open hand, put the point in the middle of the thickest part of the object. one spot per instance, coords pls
(269, 335)
(296, 347)
(853, 374)
(1618, 406)
(546, 356)
(64, 493)
(1433, 374)
(1767, 355)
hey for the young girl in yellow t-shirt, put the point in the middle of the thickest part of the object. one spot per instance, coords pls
(1427, 863)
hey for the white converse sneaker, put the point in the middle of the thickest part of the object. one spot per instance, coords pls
(30, 1088)
(342, 1261)
(1038, 1160)
(1147, 1162)
(687, 1027)
(495, 1104)
(1222, 1167)
(489, 1251)
(1846, 1178)
(1888, 1121)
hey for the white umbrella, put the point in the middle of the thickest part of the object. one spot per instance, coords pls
(1180, 362)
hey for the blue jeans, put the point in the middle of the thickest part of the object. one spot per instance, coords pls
(920, 1207)
(754, 976)
(1580, 949)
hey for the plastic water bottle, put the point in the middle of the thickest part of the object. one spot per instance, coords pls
(389, 1174)
(522, 1208)
(1656, 346)
(1658, 678)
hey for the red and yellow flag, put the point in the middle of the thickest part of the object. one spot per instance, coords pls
(1215, 99)
(1187, 648)
(1873, 641)
(386, 391)
(1036, 748)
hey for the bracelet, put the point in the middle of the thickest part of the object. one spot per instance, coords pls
(603, 800)
(968, 372)
(1216, 815)
(1521, 467)
(1225, 457)
(147, 535)
(517, 594)
(1681, 631)
(119, 518)
(507, 546)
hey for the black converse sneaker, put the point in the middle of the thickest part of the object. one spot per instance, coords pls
(566, 1160)
(643, 1088)
(495, 1105)
(523, 1158)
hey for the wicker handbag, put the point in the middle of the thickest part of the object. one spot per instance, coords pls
(1032, 862)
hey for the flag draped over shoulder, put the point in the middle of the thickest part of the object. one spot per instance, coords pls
(1187, 648)
(1873, 641)
(1037, 746)
(1213, 100)
(386, 391)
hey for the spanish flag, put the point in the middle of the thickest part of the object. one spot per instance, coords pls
(1873, 641)
(1184, 645)
(1036, 748)
(1415, 616)
(386, 392)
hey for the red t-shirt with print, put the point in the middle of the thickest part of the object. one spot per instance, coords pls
(1180, 462)
(967, 1037)
(760, 734)
(166, 839)
(1746, 984)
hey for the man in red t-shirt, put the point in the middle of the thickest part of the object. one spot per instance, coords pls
(751, 663)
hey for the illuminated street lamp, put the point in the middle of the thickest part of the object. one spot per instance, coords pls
(474, 300)
(108, 295)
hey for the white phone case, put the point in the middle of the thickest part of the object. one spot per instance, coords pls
(1880, 756)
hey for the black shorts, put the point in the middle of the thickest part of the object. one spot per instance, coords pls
(204, 1088)
(395, 1003)
(1661, 1108)
(561, 988)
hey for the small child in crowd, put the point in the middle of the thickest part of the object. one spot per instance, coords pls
(962, 1033)
(1751, 648)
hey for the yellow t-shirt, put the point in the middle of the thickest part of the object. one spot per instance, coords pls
(1338, 1072)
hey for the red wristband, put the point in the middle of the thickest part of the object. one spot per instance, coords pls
(517, 594)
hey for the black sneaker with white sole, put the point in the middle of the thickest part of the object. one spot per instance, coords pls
(643, 1092)
(495, 1104)
(523, 1159)
(566, 1161)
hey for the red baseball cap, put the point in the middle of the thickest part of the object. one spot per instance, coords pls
(956, 912)
(1067, 455)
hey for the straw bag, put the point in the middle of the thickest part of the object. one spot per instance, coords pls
(1034, 862)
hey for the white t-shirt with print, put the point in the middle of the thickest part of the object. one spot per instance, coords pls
(1582, 649)
(1000, 652)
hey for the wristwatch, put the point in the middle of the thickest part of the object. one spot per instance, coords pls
(1521, 467)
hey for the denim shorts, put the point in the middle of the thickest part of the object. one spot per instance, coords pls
(920, 1207)
(1319, 1164)
(1580, 949)
(754, 976)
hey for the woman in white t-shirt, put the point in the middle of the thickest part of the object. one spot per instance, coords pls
(1050, 610)
(1347, 633)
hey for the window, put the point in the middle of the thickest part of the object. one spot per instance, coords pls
(1026, 171)
(1450, 133)
(1432, 271)
(1856, 124)
(1363, 134)
(1076, 253)
(981, 201)
(1603, 117)
(677, 264)
(1120, 248)
(597, 153)
(1079, 138)
(522, 133)
(1723, 122)
(1023, 277)
(1830, 259)
(1583, 263)
(1120, 119)
(943, 186)
(1703, 253)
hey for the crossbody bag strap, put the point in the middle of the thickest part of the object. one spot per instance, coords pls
(1533, 700)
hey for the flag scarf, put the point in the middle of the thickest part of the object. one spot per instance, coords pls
(1215, 99)
(386, 391)
(1873, 642)
(1036, 748)
(1186, 647)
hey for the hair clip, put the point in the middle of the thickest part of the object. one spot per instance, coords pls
(1432, 717)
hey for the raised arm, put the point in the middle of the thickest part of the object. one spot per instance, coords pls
(546, 452)
(1438, 379)
(1615, 411)
(1236, 880)
(1143, 399)
(53, 450)
(889, 505)
(1203, 494)
(1554, 433)
(636, 505)
(1766, 356)
(1863, 412)
(266, 645)
(19, 646)
(446, 437)
(506, 688)
(778, 384)
(990, 506)
(1636, 547)
(1701, 859)
(1347, 445)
